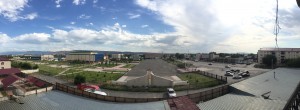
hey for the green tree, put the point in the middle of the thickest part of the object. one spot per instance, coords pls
(267, 60)
(79, 79)
(35, 67)
(293, 62)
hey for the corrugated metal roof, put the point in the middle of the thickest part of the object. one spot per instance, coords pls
(9, 71)
(56, 100)
(247, 94)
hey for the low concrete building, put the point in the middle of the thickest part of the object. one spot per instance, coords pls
(154, 72)
(281, 54)
(5, 63)
(117, 56)
(153, 55)
(47, 57)
(84, 56)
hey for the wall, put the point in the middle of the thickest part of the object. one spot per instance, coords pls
(30, 71)
(196, 97)
(6, 64)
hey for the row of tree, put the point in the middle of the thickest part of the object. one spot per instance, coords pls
(24, 65)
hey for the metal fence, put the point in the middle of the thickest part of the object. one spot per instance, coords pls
(215, 76)
(294, 101)
(196, 97)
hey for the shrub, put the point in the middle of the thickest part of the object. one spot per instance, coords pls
(79, 79)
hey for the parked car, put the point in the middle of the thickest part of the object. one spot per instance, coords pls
(96, 91)
(245, 74)
(171, 92)
(229, 73)
(210, 64)
(236, 76)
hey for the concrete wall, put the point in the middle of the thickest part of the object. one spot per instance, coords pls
(160, 81)
(30, 71)
(150, 80)
(5, 64)
(140, 81)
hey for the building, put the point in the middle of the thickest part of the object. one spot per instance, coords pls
(213, 55)
(84, 56)
(5, 63)
(117, 56)
(47, 57)
(135, 57)
(281, 54)
(153, 55)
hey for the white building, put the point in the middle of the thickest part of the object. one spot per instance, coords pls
(5, 63)
(47, 57)
(281, 54)
(117, 56)
(84, 56)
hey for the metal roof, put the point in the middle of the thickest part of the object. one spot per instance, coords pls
(247, 94)
(56, 100)
(10, 71)
(4, 59)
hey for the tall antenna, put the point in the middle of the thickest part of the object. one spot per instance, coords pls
(276, 31)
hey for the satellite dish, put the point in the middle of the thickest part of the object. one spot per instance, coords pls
(298, 2)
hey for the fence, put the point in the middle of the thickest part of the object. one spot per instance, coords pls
(197, 97)
(218, 77)
(47, 87)
(294, 101)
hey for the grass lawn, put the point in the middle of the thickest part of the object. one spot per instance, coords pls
(50, 71)
(107, 65)
(94, 77)
(198, 81)
(128, 66)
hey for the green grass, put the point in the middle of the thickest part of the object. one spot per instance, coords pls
(107, 65)
(128, 66)
(71, 71)
(50, 71)
(197, 81)
(94, 77)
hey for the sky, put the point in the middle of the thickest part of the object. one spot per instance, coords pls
(168, 26)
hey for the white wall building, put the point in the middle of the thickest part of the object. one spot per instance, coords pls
(47, 57)
(5, 63)
(281, 54)
(117, 56)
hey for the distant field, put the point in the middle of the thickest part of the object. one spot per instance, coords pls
(50, 71)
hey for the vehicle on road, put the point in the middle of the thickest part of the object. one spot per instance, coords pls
(210, 64)
(236, 76)
(229, 73)
(227, 66)
(171, 92)
(96, 91)
(245, 74)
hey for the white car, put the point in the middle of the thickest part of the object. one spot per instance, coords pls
(96, 92)
(171, 92)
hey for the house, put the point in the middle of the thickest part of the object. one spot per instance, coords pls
(47, 57)
(5, 63)
(280, 53)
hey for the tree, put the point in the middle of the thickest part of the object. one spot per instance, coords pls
(79, 79)
(267, 60)
(293, 62)
(35, 67)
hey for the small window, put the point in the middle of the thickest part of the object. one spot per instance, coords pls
(2, 63)
(2, 67)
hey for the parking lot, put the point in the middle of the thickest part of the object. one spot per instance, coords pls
(219, 69)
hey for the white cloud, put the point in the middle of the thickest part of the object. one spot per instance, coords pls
(221, 25)
(123, 26)
(133, 16)
(72, 22)
(78, 2)
(95, 1)
(83, 16)
(144, 26)
(33, 38)
(12, 10)
(57, 2)
(4, 38)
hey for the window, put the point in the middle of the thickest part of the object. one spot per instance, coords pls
(2, 63)
(2, 67)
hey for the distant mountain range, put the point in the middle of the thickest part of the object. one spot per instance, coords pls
(62, 52)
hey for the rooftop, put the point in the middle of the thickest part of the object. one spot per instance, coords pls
(157, 66)
(4, 59)
(247, 94)
(56, 100)
(279, 49)
(9, 71)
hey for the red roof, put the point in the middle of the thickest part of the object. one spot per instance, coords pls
(10, 71)
(3, 59)
(9, 80)
(182, 103)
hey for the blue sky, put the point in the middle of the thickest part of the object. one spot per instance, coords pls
(146, 25)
